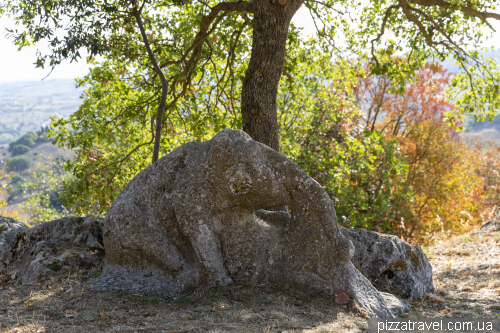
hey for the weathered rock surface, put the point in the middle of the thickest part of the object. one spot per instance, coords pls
(190, 220)
(391, 264)
(8, 230)
(46, 249)
(492, 225)
(397, 306)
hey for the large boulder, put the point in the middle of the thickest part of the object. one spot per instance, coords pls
(189, 220)
(51, 247)
(391, 264)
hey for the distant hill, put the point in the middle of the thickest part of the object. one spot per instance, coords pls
(27, 106)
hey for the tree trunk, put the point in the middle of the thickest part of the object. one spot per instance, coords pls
(260, 86)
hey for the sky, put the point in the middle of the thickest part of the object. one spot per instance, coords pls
(18, 65)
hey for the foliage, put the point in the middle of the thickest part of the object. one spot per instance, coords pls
(323, 132)
(17, 179)
(176, 37)
(421, 101)
(4, 177)
(44, 187)
(488, 169)
(114, 127)
(438, 31)
(16, 189)
(28, 139)
(443, 174)
(442, 169)
(196, 41)
(388, 171)
(362, 171)
(366, 165)
(43, 135)
(18, 163)
(20, 149)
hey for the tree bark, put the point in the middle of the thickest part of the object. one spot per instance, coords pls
(260, 86)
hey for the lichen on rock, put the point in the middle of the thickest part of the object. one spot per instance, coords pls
(194, 218)
(391, 264)
(45, 250)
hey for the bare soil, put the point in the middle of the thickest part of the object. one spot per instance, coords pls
(466, 276)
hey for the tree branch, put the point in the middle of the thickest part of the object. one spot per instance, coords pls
(468, 8)
(164, 87)
(382, 30)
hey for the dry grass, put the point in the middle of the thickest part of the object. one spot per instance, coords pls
(61, 305)
(466, 271)
(466, 276)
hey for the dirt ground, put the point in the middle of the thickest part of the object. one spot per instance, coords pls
(466, 276)
(60, 306)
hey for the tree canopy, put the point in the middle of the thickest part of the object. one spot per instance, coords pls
(18, 163)
(28, 139)
(171, 45)
(20, 150)
(173, 71)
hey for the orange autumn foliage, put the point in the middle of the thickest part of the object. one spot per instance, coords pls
(443, 171)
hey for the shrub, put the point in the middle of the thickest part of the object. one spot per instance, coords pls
(362, 172)
(18, 163)
(44, 192)
(3, 202)
(17, 187)
(16, 190)
(30, 135)
(28, 139)
(17, 179)
(20, 150)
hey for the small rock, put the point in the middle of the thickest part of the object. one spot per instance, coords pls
(341, 298)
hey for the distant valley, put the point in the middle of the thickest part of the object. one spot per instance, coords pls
(27, 106)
